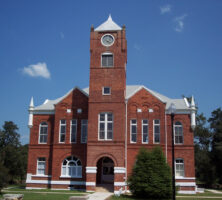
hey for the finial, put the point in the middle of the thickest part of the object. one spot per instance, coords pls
(31, 105)
(192, 102)
(109, 18)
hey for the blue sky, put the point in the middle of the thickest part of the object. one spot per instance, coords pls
(174, 48)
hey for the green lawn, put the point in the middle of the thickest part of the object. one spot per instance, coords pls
(34, 196)
(188, 197)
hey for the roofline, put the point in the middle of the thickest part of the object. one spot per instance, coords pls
(76, 87)
(150, 91)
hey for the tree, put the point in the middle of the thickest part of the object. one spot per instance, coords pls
(3, 177)
(205, 170)
(151, 175)
(13, 155)
(216, 126)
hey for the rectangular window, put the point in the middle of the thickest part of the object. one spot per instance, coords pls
(84, 124)
(43, 133)
(41, 166)
(106, 90)
(179, 167)
(145, 131)
(105, 126)
(62, 135)
(73, 131)
(133, 130)
(156, 130)
(107, 60)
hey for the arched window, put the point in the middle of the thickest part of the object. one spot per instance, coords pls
(178, 133)
(43, 132)
(72, 167)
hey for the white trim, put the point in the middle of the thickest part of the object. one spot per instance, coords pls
(109, 44)
(44, 112)
(186, 192)
(37, 167)
(174, 132)
(60, 130)
(34, 188)
(90, 184)
(147, 131)
(91, 170)
(105, 126)
(43, 176)
(62, 176)
(119, 170)
(106, 93)
(179, 112)
(71, 131)
(184, 178)
(40, 125)
(119, 183)
(56, 182)
(107, 53)
(186, 102)
(185, 184)
(131, 131)
(154, 131)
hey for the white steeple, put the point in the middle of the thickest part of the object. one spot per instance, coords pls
(193, 113)
(108, 25)
(31, 109)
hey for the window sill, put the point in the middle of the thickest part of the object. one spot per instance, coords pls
(70, 176)
(42, 175)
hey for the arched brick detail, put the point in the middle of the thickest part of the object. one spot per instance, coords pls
(105, 155)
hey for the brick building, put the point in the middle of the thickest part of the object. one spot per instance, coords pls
(91, 136)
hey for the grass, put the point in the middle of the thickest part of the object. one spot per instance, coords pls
(183, 197)
(41, 194)
(45, 196)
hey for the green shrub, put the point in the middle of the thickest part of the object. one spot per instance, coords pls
(151, 175)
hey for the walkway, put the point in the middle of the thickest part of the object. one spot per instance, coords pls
(100, 195)
(215, 191)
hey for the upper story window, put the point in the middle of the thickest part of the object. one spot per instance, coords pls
(43, 133)
(73, 131)
(84, 124)
(156, 130)
(133, 130)
(178, 133)
(145, 131)
(105, 126)
(41, 166)
(179, 166)
(107, 60)
(106, 90)
(62, 131)
(72, 167)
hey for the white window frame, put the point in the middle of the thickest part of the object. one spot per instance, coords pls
(44, 126)
(71, 127)
(183, 172)
(82, 126)
(38, 164)
(104, 90)
(60, 125)
(65, 168)
(105, 125)
(133, 124)
(103, 54)
(145, 124)
(178, 135)
(154, 124)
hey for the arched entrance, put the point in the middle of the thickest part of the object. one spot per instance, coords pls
(105, 173)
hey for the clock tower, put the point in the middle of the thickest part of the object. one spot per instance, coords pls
(106, 116)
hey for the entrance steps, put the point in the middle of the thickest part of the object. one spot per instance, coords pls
(104, 188)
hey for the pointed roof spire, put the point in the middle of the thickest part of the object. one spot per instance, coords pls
(108, 25)
(31, 105)
(192, 102)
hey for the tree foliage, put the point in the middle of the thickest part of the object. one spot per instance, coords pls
(151, 175)
(13, 155)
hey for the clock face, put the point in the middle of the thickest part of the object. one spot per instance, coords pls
(107, 40)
